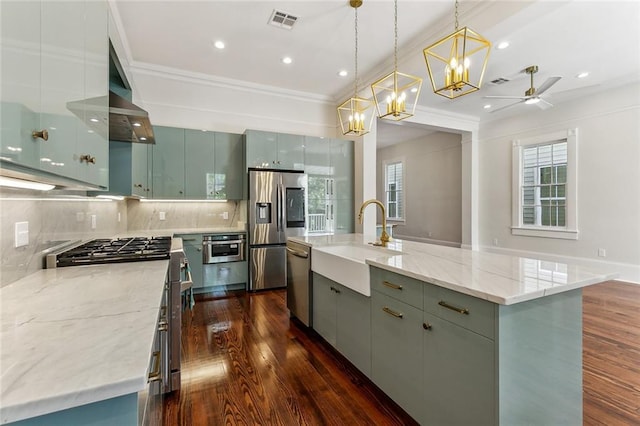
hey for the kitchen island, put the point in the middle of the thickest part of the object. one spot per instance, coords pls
(76, 342)
(456, 336)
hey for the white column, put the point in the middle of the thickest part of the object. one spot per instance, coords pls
(365, 180)
(470, 187)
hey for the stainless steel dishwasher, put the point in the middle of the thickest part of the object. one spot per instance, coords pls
(299, 282)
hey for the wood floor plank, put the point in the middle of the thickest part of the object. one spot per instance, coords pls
(246, 363)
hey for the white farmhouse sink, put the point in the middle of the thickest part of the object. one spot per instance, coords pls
(345, 264)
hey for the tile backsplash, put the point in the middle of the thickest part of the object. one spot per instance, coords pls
(68, 217)
(152, 215)
(52, 219)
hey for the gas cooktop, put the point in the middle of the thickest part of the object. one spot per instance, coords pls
(112, 251)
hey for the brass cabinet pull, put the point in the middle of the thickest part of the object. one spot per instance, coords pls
(137, 185)
(444, 304)
(155, 375)
(42, 134)
(426, 326)
(163, 325)
(392, 312)
(87, 159)
(392, 285)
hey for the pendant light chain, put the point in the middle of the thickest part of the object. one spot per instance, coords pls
(456, 15)
(355, 80)
(395, 35)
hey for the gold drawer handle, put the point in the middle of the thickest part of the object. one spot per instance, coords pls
(444, 304)
(88, 159)
(392, 285)
(392, 312)
(155, 375)
(42, 134)
(426, 326)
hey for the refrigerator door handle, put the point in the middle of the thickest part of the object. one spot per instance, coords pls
(278, 208)
(283, 207)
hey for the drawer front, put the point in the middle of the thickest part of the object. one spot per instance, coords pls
(467, 311)
(405, 289)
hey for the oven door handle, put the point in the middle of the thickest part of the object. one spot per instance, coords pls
(188, 283)
(222, 243)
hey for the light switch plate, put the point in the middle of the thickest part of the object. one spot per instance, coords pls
(21, 234)
(163, 215)
(94, 221)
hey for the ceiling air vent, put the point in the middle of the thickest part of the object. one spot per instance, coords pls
(282, 19)
(499, 81)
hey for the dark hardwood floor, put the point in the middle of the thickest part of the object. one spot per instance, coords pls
(244, 362)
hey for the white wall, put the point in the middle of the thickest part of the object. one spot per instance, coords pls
(433, 186)
(608, 178)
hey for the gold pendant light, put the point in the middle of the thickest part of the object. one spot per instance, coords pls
(353, 114)
(456, 63)
(396, 94)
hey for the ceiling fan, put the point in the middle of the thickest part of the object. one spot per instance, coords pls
(532, 95)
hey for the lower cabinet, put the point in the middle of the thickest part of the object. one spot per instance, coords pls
(342, 317)
(228, 274)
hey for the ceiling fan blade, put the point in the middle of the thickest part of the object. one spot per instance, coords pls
(505, 97)
(544, 104)
(547, 84)
(507, 106)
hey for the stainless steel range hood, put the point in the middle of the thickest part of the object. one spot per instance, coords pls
(128, 122)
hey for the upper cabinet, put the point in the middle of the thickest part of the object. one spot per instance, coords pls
(229, 166)
(54, 89)
(168, 177)
(274, 150)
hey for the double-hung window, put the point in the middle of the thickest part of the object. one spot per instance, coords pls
(544, 182)
(394, 189)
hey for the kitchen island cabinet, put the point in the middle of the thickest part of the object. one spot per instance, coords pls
(461, 337)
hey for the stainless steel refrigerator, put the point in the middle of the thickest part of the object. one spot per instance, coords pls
(277, 210)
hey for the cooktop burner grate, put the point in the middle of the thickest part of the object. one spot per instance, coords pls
(116, 250)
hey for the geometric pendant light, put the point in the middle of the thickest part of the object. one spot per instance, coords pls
(354, 114)
(396, 94)
(456, 63)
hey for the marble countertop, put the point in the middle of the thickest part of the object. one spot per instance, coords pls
(498, 278)
(76, 335)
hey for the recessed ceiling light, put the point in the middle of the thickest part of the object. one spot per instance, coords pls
(487, 106)
(287, 60)
(503, 45)
(414, 89)
(219, 44)
(94, 120)
(136, 124)
(343, 73)
(583, 74)
(143, 138)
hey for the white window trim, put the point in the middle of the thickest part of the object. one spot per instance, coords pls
(568, 232)
(404, 189)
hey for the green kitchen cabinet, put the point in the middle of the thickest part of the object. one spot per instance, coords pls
(396, 351)
(58, 86)
(229, 166)
(168, 169)
(230, 275)
(192, 244)
(141, 180)
(459, 369)
(342, 317)
(274, 150)
(199, 164)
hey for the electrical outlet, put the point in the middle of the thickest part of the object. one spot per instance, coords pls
(495, 241)
(163, 215)
(429, 234)
(119, 217)
(94, 221)
(225, 215)
(602, 252)
(21, 234)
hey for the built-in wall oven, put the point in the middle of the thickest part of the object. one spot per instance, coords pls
(221, 248)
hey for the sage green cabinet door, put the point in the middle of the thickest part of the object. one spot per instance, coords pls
(324, 308)
(62, 80)
(290, 155)
(199, 164)
(353, 328)
(396, 352)
(261, 149)
(229, 166)
(317, 166)
(140, 170)
(20, 83)
(459, 375)
(94, 138)
(342, 168)
(192, 244)
(343, 216)
(168, 163)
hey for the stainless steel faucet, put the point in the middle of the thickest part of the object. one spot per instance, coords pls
(384, 237)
